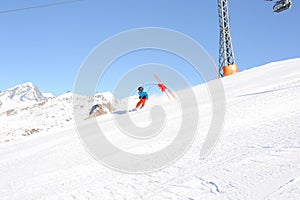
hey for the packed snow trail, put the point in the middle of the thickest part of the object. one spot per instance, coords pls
(256, 157)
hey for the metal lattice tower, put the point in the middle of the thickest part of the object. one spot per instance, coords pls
(226, 54)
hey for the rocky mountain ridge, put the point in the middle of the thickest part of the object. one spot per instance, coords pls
(24, 110)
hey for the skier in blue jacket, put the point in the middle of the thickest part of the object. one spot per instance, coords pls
(143, 96)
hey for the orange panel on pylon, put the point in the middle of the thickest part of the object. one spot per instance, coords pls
(230, 69)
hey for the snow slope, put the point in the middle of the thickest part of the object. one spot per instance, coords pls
(256, 157)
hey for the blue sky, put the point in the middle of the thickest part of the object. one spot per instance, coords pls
(47, 45)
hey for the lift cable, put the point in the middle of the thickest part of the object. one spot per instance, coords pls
(40, 6)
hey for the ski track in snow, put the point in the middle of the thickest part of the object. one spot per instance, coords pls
(256, 157)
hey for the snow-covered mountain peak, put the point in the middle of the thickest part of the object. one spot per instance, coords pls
(23, 92)
(20, 96)
(47, 113)
(66, 96)
(48, 95)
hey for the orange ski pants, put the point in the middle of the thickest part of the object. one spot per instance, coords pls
(142, 102)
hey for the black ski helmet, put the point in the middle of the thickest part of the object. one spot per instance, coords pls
(140, 88)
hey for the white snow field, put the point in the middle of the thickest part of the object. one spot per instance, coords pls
(257, 155)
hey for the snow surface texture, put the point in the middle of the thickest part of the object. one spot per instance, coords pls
(256, 157)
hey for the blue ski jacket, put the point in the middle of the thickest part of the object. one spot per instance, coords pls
(143, 95)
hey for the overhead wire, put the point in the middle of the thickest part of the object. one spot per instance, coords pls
(40, 6)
